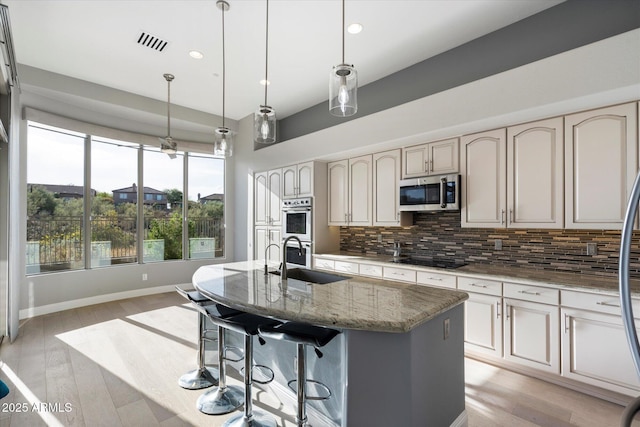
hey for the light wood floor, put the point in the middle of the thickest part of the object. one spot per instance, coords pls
(116, 364)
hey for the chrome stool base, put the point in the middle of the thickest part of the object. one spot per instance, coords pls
(199, 378)
(258, 419)
(219, 402)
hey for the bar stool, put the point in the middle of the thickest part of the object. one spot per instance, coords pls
(246, 324)
(203, 376)
(302, 334)
(223, 399)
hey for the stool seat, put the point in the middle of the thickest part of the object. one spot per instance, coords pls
(193, 296)
(241, 322)
(316, 336)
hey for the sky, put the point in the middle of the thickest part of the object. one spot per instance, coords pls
(57, 158)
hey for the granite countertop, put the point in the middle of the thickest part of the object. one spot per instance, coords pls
(559, 279)
(356, 303)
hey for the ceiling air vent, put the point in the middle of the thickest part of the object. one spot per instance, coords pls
(151, 41)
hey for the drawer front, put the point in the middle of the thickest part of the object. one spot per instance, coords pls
(436, 279)
(346, 267)
(400, 274)
(324, 264)
(531, 293)
(371, 270)
(596, 302)
(481, 286)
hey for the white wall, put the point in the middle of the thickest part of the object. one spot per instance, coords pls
(602, 73)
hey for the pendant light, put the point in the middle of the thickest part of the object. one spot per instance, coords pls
(223, 142)
(264, 120)
(167, 144)
(343, 85)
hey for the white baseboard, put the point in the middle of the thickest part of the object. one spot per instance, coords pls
(462, 420)
(27, 313)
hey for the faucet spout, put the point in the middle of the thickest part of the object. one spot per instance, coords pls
(283, 272)
(266, 251)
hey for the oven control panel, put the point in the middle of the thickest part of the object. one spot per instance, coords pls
(302, 202)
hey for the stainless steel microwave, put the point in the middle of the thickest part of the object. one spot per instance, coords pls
(430, 193)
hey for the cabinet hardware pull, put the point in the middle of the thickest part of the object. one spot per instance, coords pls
(566, 323)
(607, 304)
(497, 309)
(529, 293)
(426, 166)
(479, 286)
(510, 216)
(506, 310)
(431, 165)
(502, 216)
(435, 278)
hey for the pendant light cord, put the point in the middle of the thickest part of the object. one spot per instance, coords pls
(223, 67)
(266, 57)
(343, 31)
(168, 108)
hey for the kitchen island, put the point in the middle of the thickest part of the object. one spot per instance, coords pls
(398, 361)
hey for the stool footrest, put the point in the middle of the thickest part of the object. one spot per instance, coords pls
(233, 347)
(260, 368)
(318, 384)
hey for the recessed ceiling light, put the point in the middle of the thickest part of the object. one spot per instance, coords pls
(195, 54)
(265, 82)
(354, 28)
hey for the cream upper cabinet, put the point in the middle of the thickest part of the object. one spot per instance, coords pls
(535, 175)
(297, 180)
(601, 161)
(386, 179)
(350, 191)
(434, 158)
(483, 175)
(265, 236)
(267, 205)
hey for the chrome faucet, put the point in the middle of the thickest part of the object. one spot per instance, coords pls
(266, 250)
(283, 272)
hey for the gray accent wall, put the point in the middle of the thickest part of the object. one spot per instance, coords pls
(566, 26)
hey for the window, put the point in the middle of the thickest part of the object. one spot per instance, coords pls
(114, 166)
(55, 200)
(206, 206)
(71, 226)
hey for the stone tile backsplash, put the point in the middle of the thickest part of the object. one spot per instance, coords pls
(439, 235)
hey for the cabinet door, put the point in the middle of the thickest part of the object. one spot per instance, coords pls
(535, 175)
(289, 182)
(360, 191)
(260, 239)
(275, 202)
(483, 170)
(595, 351)
(531, 334)
(261, 202)
(415, 161)
(275, 236)
(483, 325)
(338, 183)
(600, 165)
(443, 157)
(305, 179)
(386, 178)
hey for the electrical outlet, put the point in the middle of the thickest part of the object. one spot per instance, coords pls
(592, 249)
(498, 245)
(446, 328)
(379, 238)
(144, 276)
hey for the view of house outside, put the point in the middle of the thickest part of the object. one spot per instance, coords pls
(56, 203)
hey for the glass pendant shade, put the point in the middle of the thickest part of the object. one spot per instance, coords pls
(264, 125)
(343, 91)
(223, 142)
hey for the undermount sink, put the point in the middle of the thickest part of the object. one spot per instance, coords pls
(311, 276)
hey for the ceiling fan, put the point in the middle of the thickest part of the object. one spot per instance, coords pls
(167, 144)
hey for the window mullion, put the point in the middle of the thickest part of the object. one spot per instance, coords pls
(86, 203)
(185, 207)
(140, 204)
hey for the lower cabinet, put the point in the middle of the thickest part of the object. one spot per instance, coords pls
(264, 236)
(483, 324)
(531, 334)
(595, 351)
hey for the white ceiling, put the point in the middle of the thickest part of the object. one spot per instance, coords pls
(96, 41)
